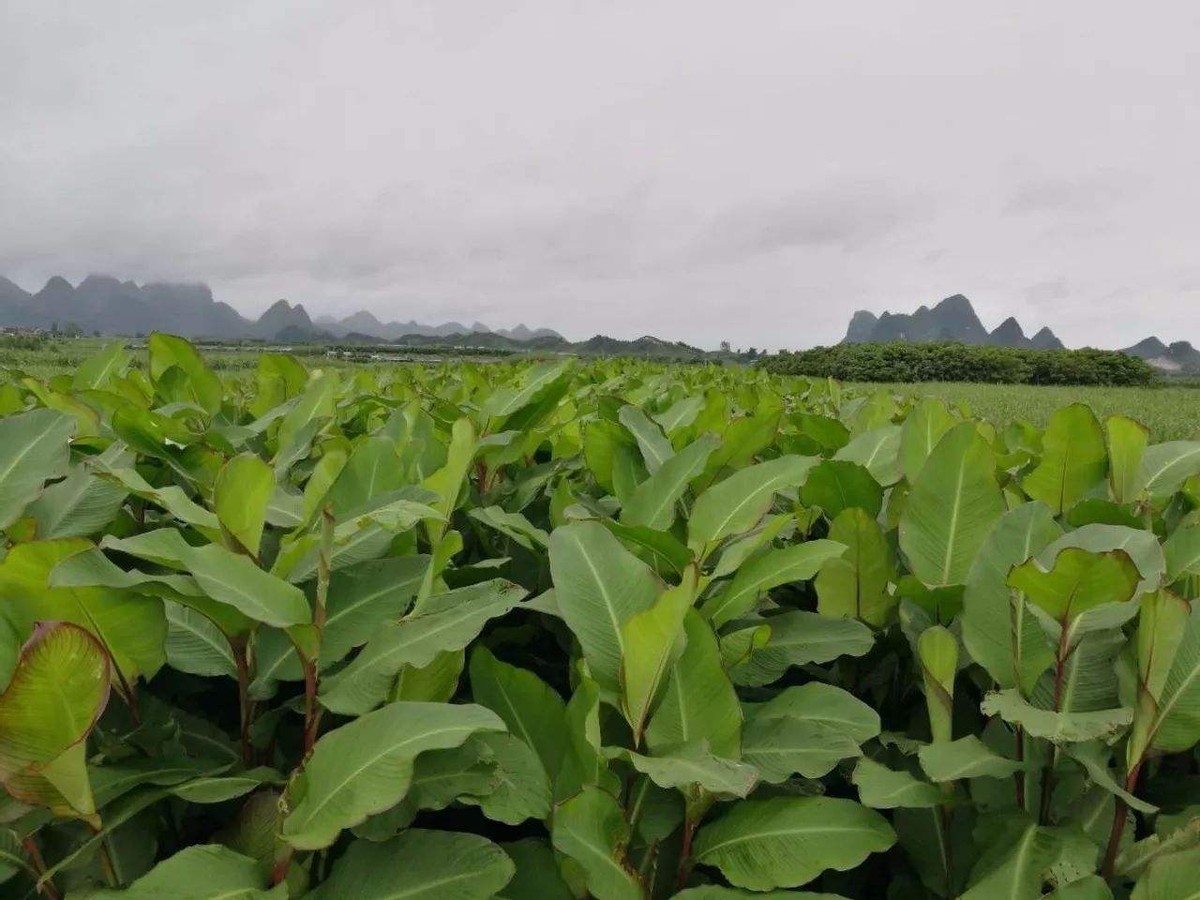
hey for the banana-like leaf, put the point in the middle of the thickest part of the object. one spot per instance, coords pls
(771, 568)
(34, 447)
(201, 872)
(591, 830)
(1074, 459)
(735, 504)
(244, 488)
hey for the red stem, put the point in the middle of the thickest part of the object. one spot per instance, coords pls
(1118, 825)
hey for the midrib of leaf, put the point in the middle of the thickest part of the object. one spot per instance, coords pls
(787, 832)
(603, 855)
(954, 511)
(20, 457)
(767, 488)
(608, 605)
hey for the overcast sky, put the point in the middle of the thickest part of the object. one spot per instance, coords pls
(699, 170)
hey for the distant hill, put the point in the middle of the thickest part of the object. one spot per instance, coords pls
(953, 319)
(110, 306)
(1179, 357)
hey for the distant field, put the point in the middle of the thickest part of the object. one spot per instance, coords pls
(1171, 413)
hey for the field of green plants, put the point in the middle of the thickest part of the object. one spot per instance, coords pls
(564, 630)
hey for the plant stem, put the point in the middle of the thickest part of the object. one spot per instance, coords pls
(244, 711)
(312, 711)
(1120, 812)
(34, 852)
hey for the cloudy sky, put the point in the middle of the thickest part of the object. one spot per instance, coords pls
(703, 169)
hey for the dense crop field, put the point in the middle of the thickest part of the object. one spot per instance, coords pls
(559, 630)
(1171, 412)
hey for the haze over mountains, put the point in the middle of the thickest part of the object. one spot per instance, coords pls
(954, 319)
(111, 306)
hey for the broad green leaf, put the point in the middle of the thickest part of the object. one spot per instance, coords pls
(201, 872)
(855, 584)
(653, 502)
(57, 691)
(953, 506)
(699, 703)
(448, 622)
(878, 450)
(922, 430)
(1142, 546)
(538, 876)
(365, 766)
(34, 447)
(837, 485)
(798, 638)
(109, 362)
(782, 746)
(195, 644)
(652, 641)
(513, 525)
(437, 865)
(590, 828)
(244, 488)
(1127, 441)
(788, 841)
(997, 630)
(371, 470)
(1162, 628)
(1173, 877)
(599, 586)
(223, 575)
(532, 710)
(693, 764)
(968, 757)
(821, 704)
(1165, 467)
(1078, 582)
(132, 628)
(79, 505)
(519, 788)
(1017, 856)
(772, 568)
(1181, 552)
(882, 788)
(1074, 459)
(195, 383)
(1177, 725)
(1056, 727)
(735, 505)
(655, 447)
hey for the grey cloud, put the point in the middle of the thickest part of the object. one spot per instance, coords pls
(690, 168)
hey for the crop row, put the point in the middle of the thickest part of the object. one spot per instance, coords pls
(559, 630)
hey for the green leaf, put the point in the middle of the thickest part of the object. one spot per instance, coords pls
(837, 485)
(1078, 582)
(952, 508)
(735, 505)
(878, 450)
(34, 447)
(448, 621)
(967, 757)
(223, 575)
(366, 765)
(937, 650)
(693, 764)
(882, 788)
(244, 488)
(202, 872)
(789, 841)
(655, 447)
(821, 704)
(1018, 854)
(110, 361)
(1058, 728)
(537, 876)
(1172, 877)
(132, 628)
(599, 586)
(590, 828)
(57, 692)
(196, 383)
(782, 746)
(920, 433)
(653, 502)
(855, 584)
(79, 505)
(1165, 467)
(772, 568)
(699, 703)
(1127, 441)
(997, 630)
(1142, 546)
(514, 526)
(1074, 459)
(519, 788)
(652, 641)
(437, 865)
(1181, 552)
(798, 638)
(195, 645)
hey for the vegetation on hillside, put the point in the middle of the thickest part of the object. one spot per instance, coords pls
(604, 629)
(913, 362)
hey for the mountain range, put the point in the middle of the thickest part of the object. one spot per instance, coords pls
(111, 306)
(954, 319)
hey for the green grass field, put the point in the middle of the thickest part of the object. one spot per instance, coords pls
(1170, 412)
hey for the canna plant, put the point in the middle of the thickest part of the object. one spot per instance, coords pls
(564, 630)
